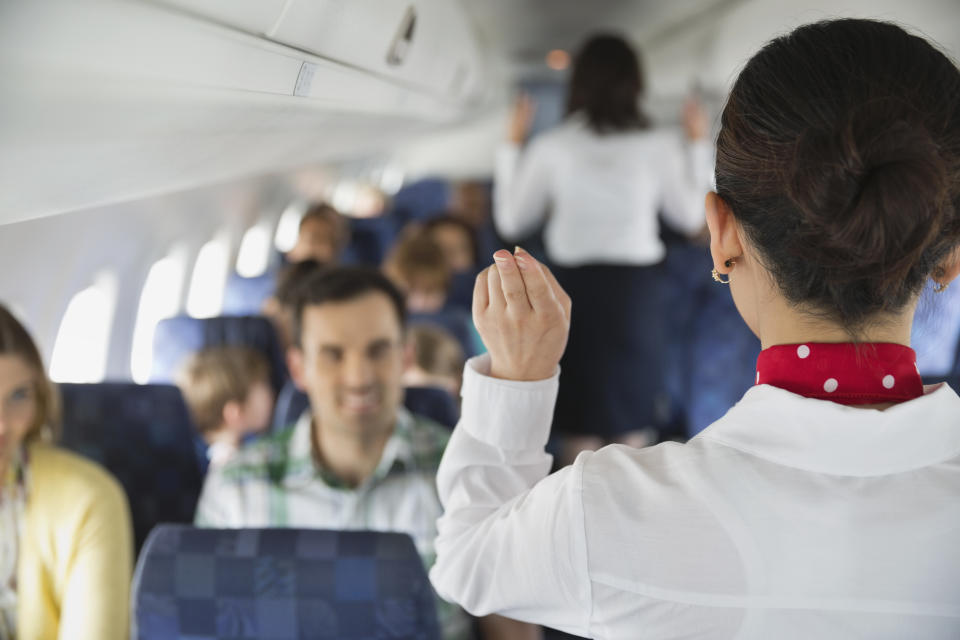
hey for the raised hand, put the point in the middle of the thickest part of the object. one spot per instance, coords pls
(522, 315)
(521, 119)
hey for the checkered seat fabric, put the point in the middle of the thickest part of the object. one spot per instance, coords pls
(142, 434)
(280, 584)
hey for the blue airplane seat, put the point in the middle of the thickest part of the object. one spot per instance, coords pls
(370, 240)
(723, 358)
(431, 402)
(458, 322)
(422, 199)
(282, 584)
(142, 434)
(245, 296)
(936, 332)
(460, 295)
(179, 337)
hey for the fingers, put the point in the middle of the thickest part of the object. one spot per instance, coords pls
(481, 297)
(494, 289)
(511, 282)
(539, 291)
(555, 288)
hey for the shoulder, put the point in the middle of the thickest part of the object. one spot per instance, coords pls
(263, 459)
(70, 476)
(428, 440)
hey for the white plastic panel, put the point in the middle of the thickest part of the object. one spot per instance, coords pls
(443, 56)
(256, 17)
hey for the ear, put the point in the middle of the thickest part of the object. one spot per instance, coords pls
(724, 235)
(295, 366)
(232, 415)
(950, 267)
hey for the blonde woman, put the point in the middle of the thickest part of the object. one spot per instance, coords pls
(66, 542)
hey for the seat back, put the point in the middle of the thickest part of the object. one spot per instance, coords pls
(142, 434)
(179, 337)
(280, 584)
(245, 296)
(431, 402)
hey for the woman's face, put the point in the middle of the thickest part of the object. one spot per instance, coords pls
(18, 404)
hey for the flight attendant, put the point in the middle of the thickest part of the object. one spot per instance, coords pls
(599, 180)
(66, 542)
(824, 504)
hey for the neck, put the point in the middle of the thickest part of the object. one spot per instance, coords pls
(350, 456)
(782, 323)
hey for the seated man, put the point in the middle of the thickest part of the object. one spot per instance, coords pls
(228, 393)
(357, 459)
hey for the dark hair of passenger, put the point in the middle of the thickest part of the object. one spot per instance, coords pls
(16, 341)
(291, 278)
(328, 215)
(450, 219)
(344, 284)
(607, 84)
(839, 155)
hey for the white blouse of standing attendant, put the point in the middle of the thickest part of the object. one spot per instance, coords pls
(789, 518)
(603, 192)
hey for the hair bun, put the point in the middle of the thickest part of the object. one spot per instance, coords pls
(873, 195)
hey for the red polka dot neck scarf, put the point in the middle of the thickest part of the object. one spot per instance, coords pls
(847, 373)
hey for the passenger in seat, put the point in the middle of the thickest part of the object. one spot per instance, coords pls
(457, 240)
(66, 541)
(356, 459)
(228, 392)
(436, 359)
(418, 266)
(322, 236)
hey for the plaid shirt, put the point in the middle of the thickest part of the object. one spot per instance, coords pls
(276, 482)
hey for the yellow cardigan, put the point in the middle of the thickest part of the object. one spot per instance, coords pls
(76, 553)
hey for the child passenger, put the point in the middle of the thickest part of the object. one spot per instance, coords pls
(228, 392)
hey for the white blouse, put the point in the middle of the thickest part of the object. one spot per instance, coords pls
(603, 193)
(789, 518)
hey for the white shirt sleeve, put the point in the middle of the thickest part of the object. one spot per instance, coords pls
(512, 539)
(687, 175)
(520, 189)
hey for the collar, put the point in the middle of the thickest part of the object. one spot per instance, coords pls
(826, 437)
(846, 373)
(302, 468)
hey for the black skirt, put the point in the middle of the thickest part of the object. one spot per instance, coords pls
(611, 378)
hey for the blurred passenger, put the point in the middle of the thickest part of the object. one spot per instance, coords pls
(323, 235)
(824, 503)
(356, 459)
(458, 241)
(66, 540)
(418, 267)
(281, 305)
(437, 359)
(470, 202)
(604, 176)
(228, 392)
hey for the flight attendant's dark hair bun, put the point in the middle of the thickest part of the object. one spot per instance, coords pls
(839, 154)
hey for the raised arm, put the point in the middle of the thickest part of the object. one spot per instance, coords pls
(686, 173)
(522, 179)
(512, 540)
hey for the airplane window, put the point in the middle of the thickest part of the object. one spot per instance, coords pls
(209, 278)
(289, 226)
(80, 351)
(254, 255)
(159, 299)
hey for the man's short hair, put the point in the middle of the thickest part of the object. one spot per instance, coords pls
(291, 279)
(343, 284)
(217, 375)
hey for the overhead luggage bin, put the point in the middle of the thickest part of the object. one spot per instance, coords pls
(106, 101)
